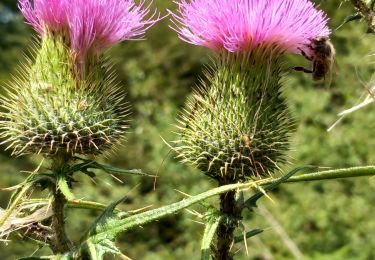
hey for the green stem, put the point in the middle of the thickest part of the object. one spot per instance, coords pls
(60, 241)
(225, 232)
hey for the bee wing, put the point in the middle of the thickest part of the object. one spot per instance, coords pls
(328, 79)
(333, 68)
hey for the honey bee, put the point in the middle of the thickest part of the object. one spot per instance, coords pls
(322, 59)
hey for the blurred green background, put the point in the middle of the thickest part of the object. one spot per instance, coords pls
(323, 220)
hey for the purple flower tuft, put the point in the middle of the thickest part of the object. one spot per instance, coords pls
(45, 14)
(241, 25)
(93, 25)
(100, 24)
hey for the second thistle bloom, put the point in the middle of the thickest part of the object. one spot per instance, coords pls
(67, 100)
(242, 25)
(238, 125)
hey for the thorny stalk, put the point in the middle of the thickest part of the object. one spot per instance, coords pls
(231, 214)
(60, 242)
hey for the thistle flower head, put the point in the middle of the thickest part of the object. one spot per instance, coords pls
(66, 99)
(241, 25)
(237, 126)
(48, 110)
(45, 15)
(92, 25)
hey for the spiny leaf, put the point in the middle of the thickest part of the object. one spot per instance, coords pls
(208, 236)
(17, 199)
(114, 227)
(350, 18)
(98, 250)
(251, 202)
(89, 164)
(94, 248)
(64, 187)
(351, 172)
(104, 218)
(66, 256)
(249, 234)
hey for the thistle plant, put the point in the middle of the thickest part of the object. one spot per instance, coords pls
(66, 106)
(237, 125)
(66, 101)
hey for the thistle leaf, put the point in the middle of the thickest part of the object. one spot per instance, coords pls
(89, 164)
(351, 172)
(247, 235)
(66, 256)
(350, 18)
(208, 236)
(98, 240)
(17, 198)
(98, 250)
(107, 216)
(64, 187)
(251, 202)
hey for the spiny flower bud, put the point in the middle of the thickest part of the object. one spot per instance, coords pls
(237, 124)
(66, 99)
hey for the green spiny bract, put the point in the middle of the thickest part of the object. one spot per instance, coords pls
(58, 106)
(237, 125)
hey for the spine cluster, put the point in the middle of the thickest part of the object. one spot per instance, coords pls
(237, 124)
(61, 105)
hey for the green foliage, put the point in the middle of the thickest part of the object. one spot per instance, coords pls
(208, 237)
(331, 220)
(251, 202)
(99, 239)
(97, 248)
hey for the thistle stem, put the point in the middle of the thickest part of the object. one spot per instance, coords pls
(225, 232)
(60, 241)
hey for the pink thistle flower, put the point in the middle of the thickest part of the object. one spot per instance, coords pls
(241, 25)
(96, 25)
(45, 14)
(93, 25)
